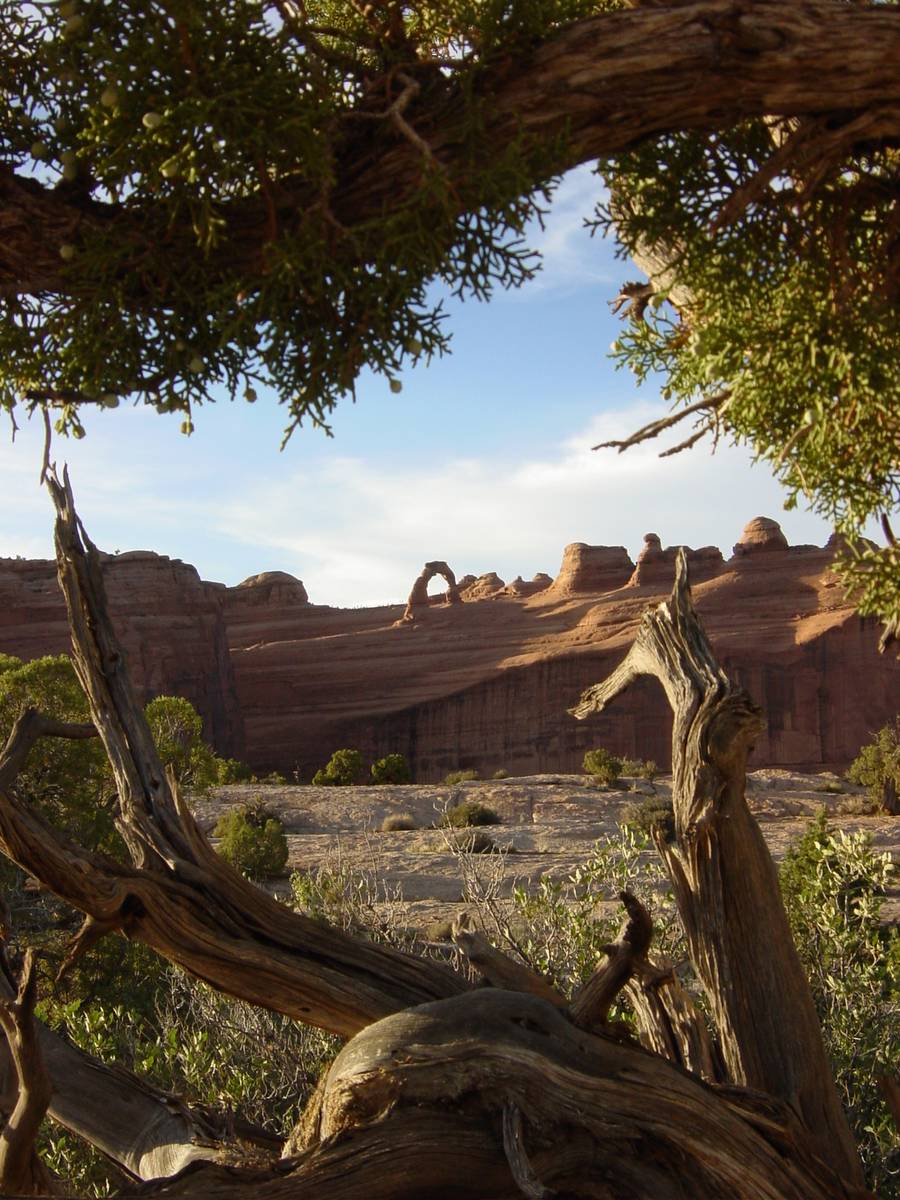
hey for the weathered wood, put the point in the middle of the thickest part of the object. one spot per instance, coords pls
(596, 87)
(498, 968)
(21, 1171)
(724, 880)
(669, 1022)
(591, 1004)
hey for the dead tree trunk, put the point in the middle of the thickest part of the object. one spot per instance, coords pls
(491, 1092)
(724, 879)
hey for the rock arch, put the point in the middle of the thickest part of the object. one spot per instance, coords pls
(418, 596)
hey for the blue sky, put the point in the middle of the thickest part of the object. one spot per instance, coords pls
(483, 460)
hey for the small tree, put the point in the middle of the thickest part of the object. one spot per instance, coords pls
(602, 765)
(253, 841)
(877, 767)
(177, 729)
(343, 769)
(393, 768)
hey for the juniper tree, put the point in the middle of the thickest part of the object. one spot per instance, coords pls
(197, 200)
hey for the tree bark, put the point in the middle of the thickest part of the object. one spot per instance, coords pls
(724, 879)
(604, 83)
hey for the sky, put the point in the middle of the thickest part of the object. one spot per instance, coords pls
(483, 460)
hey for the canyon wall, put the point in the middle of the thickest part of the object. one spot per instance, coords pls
(484, 683)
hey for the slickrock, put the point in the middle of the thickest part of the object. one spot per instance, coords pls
(485, 683)
(656, 567)
(591, 570)
(485, 586)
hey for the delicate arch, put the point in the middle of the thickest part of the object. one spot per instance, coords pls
(418, 596)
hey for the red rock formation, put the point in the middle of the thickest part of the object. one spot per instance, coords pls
(486, 684)
(171, 624)
(590, 570)
(656, 567)
(419, 601)
(485, 586)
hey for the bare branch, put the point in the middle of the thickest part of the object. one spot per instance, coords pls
(715, 403)
(591, 1004)
(21, 1172)
(497, 968)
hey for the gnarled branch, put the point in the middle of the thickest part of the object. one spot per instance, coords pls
(724, 880)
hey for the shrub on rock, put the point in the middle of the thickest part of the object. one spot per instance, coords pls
(393, 768)
(468, 813)
(343, 769)
(602, 765)
(253, 841)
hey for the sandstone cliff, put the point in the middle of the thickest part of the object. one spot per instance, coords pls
(484, 683)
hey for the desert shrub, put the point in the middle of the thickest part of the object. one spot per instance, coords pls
(648, 770)
(393, 768)
(438, 930)
(645, 815)
(472, 841)
(630, 766)
(500, 773)
(253, 841)
(833, 885)
(455, 777)
(831, 787)
(877, 766)
(342, 770)
(398, 822)
(468, 813)
(231, 770)
(558, 928)
(602, 765)
(858, 806)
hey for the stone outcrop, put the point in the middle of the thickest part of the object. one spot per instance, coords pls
(484, 587)
(270, 587)
(520, 588)
(655, 566)
(419, 601)
(171, 623)
(485, 683)
(589, 570)
(761, 535)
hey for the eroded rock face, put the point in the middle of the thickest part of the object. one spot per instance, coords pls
(171, 623)
(761, 535)
(591, 570)
(419, 601)
(270, 587)
(484, 684)
(485, 586)
(655, 566)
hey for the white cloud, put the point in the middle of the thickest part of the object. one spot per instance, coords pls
(571, 257)
(358, 533)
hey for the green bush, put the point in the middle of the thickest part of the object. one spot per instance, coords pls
(393, 768)
(833, 885)
(253, 841)
(177, 730)
(877, 766)
(468, 813)
(343, 769)
(455, 777)
(647, 815)
(500, 773)
(231, 770)
(602, 765)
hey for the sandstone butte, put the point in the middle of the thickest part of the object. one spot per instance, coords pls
(484, 681)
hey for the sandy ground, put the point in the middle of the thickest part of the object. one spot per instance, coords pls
(549, 825)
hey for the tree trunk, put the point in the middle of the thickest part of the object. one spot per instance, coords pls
(724, 879)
